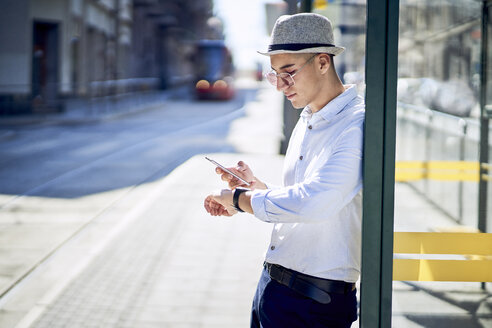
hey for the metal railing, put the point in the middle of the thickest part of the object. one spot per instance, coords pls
(426, 135)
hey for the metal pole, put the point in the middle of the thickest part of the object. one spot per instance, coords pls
(379, 163)
(428, 147)
(291, 115)
(484, 121)
(464, 128)
(484, 124)
(306, 6)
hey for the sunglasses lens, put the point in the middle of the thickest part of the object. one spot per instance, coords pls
(271, 77)
(282, 79)
(286, 79)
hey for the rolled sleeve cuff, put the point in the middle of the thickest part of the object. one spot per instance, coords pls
(258, 204)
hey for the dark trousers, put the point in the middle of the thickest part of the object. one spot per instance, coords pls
(277, 306)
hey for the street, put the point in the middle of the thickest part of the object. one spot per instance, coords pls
(68, 192)
(52, 161)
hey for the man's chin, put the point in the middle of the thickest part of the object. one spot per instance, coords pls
(296, 105)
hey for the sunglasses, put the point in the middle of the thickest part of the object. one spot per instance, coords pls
(284, 78)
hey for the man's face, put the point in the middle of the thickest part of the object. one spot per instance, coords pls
(305, 88)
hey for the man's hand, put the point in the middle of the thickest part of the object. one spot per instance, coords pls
(241, 170)
(220, 203)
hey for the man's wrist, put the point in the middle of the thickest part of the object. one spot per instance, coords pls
(235, 198)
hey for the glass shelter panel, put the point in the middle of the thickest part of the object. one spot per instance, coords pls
(438, 98)
(437, 152)
(348, 19)
(487, 116)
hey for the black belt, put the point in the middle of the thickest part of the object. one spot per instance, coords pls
(317, 289)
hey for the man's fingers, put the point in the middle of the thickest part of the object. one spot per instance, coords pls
(217, 208)
(218, 170)
(233, 184)
(225, 177)
(214, 208)
(241, 166)
(207, 205)
(211, 205)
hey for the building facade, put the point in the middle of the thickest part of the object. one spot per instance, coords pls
(53, 50)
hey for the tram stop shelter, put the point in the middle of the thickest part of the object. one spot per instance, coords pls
(380, 242)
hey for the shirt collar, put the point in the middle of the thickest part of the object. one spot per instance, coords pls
(334, 107)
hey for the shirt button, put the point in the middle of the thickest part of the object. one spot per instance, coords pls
(301, 157)
(310, 127)
(272, 248)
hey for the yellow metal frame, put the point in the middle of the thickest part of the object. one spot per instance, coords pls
(475, 249)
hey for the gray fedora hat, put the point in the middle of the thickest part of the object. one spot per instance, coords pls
(302, 33)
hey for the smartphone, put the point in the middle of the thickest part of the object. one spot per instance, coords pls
(226, 170)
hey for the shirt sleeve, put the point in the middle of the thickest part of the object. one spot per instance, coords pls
(323, 194)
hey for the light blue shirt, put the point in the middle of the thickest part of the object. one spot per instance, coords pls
(317, 213)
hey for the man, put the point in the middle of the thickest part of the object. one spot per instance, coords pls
(313, 260)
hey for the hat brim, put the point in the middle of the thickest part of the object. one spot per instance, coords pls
(329, 50)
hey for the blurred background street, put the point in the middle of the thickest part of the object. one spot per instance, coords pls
(107, 109)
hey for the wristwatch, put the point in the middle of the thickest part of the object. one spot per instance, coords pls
(235, 198)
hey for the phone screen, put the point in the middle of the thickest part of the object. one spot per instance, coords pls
(227, 170)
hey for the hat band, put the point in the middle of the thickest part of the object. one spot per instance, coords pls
(297, 46)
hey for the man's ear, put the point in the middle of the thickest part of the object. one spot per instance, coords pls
(324, 62)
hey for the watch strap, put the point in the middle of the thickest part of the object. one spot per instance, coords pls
(235, 198)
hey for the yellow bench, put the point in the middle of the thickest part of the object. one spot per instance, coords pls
(475, 265)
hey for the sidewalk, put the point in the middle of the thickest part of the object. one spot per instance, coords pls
(159, 260)
(204, 274)
(169, 265)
